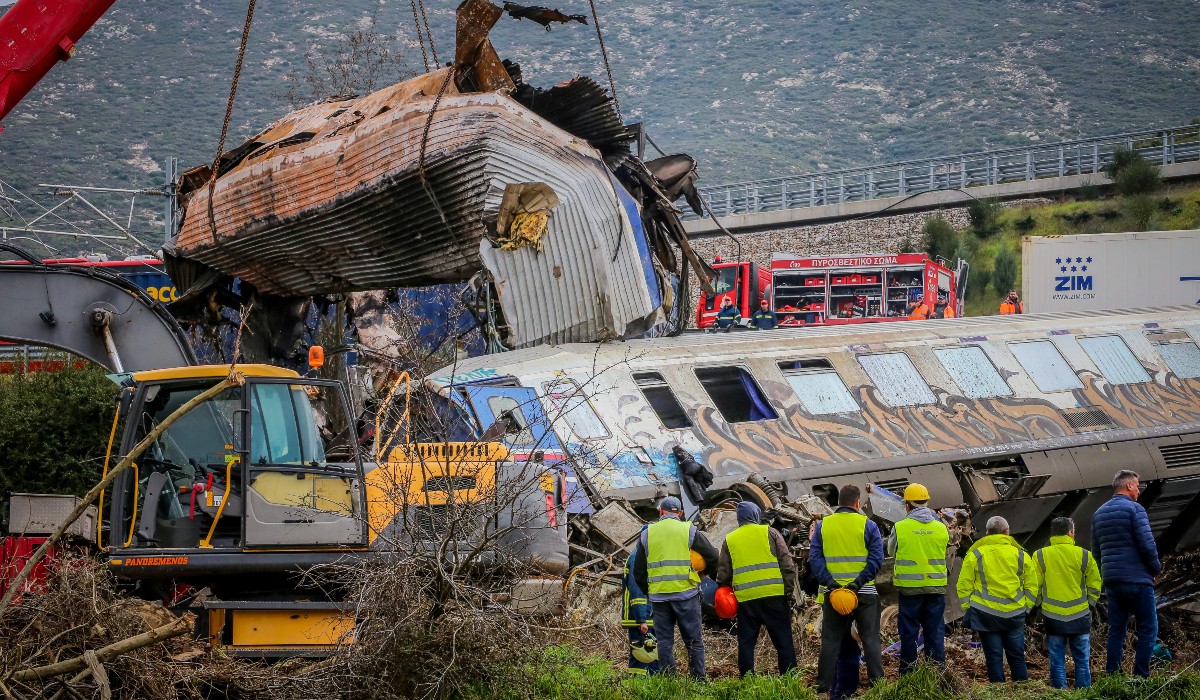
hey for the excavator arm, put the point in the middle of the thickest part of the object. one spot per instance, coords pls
(37, 34)
(90, 313)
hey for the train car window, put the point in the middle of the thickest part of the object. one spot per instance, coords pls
(1046, 365)
(820, 390)
(660, 397)
(1114, 359)
(735, 394)
(568, 401)
(1178, 351)
(973, 372)
(897, 379)
(502, 406)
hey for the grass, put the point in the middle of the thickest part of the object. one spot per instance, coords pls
(1177, 208)
(566, 674)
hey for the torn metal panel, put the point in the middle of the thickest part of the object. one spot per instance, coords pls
(404, 187)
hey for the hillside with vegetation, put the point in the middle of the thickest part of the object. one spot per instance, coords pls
(754, 89)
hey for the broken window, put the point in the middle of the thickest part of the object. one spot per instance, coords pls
(820, 390)
(1178, 351)
(1114, 359)
(568, 401)
(660, 397)
(973, 372)
(505, 407)
(1046, 365)
(897, 379)
(735, 394)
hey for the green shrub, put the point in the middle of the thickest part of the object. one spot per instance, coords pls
(939, 238)
(1004, 270)
(54, 429)
(1025, 225)
(1088, 191)
(1132, 174)
(1140, 212)
(984, 215)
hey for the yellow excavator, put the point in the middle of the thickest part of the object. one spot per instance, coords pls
(249, 489)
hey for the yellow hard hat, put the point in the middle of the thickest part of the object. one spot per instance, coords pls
(843, 600)
(697, 561)
(916, 492)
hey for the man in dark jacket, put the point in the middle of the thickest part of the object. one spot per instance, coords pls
(764, 593)
(846, 551)
(764, 319)
(1123, 545)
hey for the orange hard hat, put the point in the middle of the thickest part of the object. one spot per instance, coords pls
(725, 602)
(698, 564)
(843, 600)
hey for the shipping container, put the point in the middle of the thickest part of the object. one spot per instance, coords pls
(1089, 272)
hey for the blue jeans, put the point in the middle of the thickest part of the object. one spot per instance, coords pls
(1080, 645)
(1125, 599)
(685, 614)
(922, 614)
(997, 645)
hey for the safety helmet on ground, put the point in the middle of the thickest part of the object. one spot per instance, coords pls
(698, 564)
(916, 492)
(645, 651)
(725, 602)
(843, 600)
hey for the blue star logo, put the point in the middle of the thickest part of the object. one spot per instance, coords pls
(1089, 258)
(1058, 261)
(1085, 268)
(1073, 268)
(1078, 260)
(1063, 268)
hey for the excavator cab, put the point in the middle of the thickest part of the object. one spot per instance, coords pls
(268, 470)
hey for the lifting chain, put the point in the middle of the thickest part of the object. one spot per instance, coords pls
(237, 73)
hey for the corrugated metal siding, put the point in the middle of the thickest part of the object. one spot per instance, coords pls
(587, 281)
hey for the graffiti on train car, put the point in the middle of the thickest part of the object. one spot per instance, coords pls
(952, 423)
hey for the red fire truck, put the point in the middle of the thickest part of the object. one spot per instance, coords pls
(838, 289)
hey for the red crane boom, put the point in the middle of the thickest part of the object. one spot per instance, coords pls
(37, 34)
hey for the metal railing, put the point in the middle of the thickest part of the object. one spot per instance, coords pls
(1081, 157)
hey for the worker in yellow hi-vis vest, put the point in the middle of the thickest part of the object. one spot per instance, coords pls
(756, 562)
(663, 567)
(998, 585)
(919, 544)
(844, 554)
(1070, 584)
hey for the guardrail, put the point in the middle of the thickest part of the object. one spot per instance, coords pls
(1082, 157)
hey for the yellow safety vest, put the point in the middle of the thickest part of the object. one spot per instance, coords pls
(999, 577)
(1070, 579)
(756, 572)
(920, 554)
(669, 558)
(844, 544)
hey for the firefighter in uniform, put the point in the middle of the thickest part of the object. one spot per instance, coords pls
(763, 318)
(1070, 581)
(635, 612)
(756, 562)
(919, 544)
(663, 567)
(728, 316)
(998, 585)
(846, 551)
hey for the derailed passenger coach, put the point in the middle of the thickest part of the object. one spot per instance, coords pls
(1027, 417)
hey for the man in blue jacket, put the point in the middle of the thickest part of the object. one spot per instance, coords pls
(1123, 545)
(846, 551)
